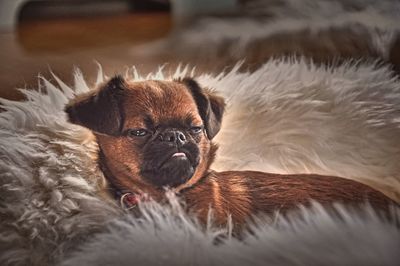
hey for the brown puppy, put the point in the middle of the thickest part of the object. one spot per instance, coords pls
(157, 134)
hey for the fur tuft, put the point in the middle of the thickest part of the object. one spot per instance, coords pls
(167, 236)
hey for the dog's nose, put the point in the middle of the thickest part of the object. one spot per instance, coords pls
(173, 136)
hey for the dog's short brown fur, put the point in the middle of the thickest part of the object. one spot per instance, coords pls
(157, 134)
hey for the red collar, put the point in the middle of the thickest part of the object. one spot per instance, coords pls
(130, 200)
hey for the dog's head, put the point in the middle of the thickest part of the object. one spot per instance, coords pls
(151, 133)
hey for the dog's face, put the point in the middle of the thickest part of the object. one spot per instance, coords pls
(151, 133)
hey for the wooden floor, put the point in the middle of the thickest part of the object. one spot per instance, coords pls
(61, 44)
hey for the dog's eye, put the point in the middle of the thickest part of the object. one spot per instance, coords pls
(140, 132)
(196, 130)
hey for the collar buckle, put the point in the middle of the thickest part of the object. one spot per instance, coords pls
(129, 200)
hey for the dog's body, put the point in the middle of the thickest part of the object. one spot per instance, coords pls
(242, 194)
(157, 134)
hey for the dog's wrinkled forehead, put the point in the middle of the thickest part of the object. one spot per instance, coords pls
(159, 101)
(118, 104)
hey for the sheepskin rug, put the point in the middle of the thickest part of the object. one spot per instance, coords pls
(287, 117)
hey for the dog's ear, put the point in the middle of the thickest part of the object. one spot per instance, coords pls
(100, 111)
(211, 107)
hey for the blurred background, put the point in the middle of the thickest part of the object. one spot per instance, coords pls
(60, 34)
(36, 35)
(39, 35)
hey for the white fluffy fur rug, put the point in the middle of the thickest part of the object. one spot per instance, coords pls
(286, 117)
(293, 118)
(165, 236)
